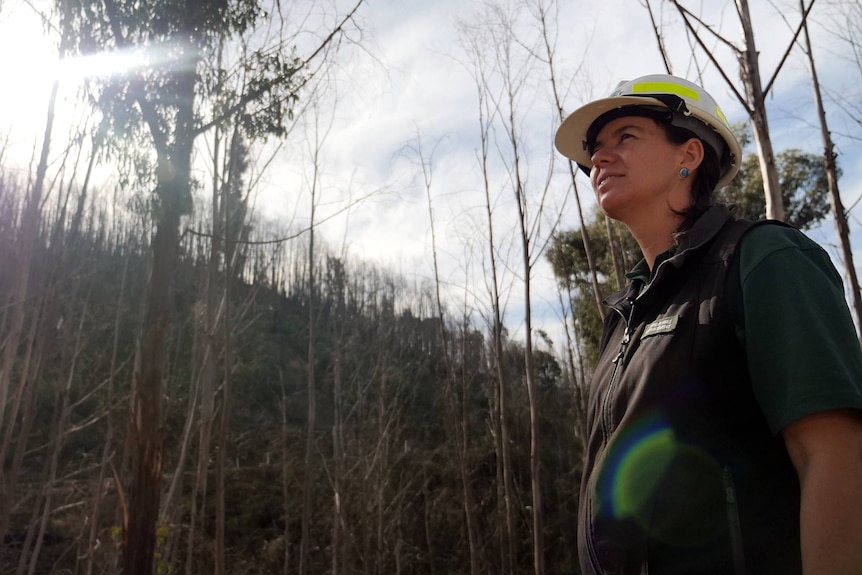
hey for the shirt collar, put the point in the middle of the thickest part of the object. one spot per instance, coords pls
(703, 230)
(641, 271)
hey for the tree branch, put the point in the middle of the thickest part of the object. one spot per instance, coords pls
(789, 48)
(250, 97)
(685, 13)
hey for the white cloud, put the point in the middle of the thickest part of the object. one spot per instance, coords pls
(409, 82)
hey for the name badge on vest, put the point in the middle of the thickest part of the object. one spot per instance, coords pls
(661, 326)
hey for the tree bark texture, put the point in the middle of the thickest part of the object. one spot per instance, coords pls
(751, 79)
(829, 157)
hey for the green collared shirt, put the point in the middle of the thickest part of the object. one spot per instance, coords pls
(787, 301)
(641, 271)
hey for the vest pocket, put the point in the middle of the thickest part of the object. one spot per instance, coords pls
(733, 524)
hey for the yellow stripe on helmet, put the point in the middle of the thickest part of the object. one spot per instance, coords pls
(665, 88)
(720, 115)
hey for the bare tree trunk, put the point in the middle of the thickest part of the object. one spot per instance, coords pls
(58, 440)
(616, 253)
(543, 17)
(38, 502)
(463, 435)
(25, 395)
(508, 540)
(146, 439)
(209, 359)
(578, 383)
(754, 102)
(382, 465)
(751, 80)
(28, 233)
(224, 426)
(221, 222)
(233, 222)
(95, 510)
(145, 427)
(304, 546)
(454, 423)
(533, 394)
(338, 559)
(512, 81)
(506, 487)
(832, 179)
(429, 539)
(524, 227)
(285, 468)
(526, 237)
(169, 511)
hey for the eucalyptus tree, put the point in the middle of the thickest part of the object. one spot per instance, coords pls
(513, 66)
(176, 87)
(755, 93)
(26, 241)
(544, 12)
(456, 426)
(473, 41)
(830, 163)
(804, 187)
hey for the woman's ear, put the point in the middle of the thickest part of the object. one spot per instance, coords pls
(692, 154)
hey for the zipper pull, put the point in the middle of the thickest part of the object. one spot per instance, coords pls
(623, 345)
(628, 333)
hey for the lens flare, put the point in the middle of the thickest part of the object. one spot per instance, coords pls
(635, 464)
(648, 467)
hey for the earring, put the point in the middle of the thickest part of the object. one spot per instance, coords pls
(683, 173)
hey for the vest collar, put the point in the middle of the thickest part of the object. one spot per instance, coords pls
(701, 233)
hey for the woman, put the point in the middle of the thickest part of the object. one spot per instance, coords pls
(723, 414)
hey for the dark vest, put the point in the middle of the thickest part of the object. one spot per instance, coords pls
(682, 474)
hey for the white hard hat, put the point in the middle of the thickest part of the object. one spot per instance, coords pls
(691, 106)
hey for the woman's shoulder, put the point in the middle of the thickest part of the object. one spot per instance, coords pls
(771, 252)
(768, 238)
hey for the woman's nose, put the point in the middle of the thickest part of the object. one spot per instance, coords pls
(600, 156)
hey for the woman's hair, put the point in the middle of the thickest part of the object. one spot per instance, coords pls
(705, 177)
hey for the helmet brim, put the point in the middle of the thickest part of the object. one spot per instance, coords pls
(571, 136)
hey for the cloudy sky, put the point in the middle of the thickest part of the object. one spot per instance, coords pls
(412, 85)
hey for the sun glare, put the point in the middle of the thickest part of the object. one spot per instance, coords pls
(30, 64)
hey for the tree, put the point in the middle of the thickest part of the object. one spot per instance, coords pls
(543, 14)
(514, 70)
(829, 163)
(454, 422)
(164, 106)
(567, 256)
(21, 273)
(804, 188)
(754, 100)
(507, 540)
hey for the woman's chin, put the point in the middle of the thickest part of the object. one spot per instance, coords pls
(613, 205)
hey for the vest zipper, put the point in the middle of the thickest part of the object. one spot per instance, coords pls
(734, 527)
(607, 411)
(607, 421)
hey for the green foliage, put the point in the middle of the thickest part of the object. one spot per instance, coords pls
(172, 81)
(273, 106)
(568, 259)
(804, 187)
(398, 460)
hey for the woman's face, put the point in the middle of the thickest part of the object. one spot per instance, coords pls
(636, 169)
